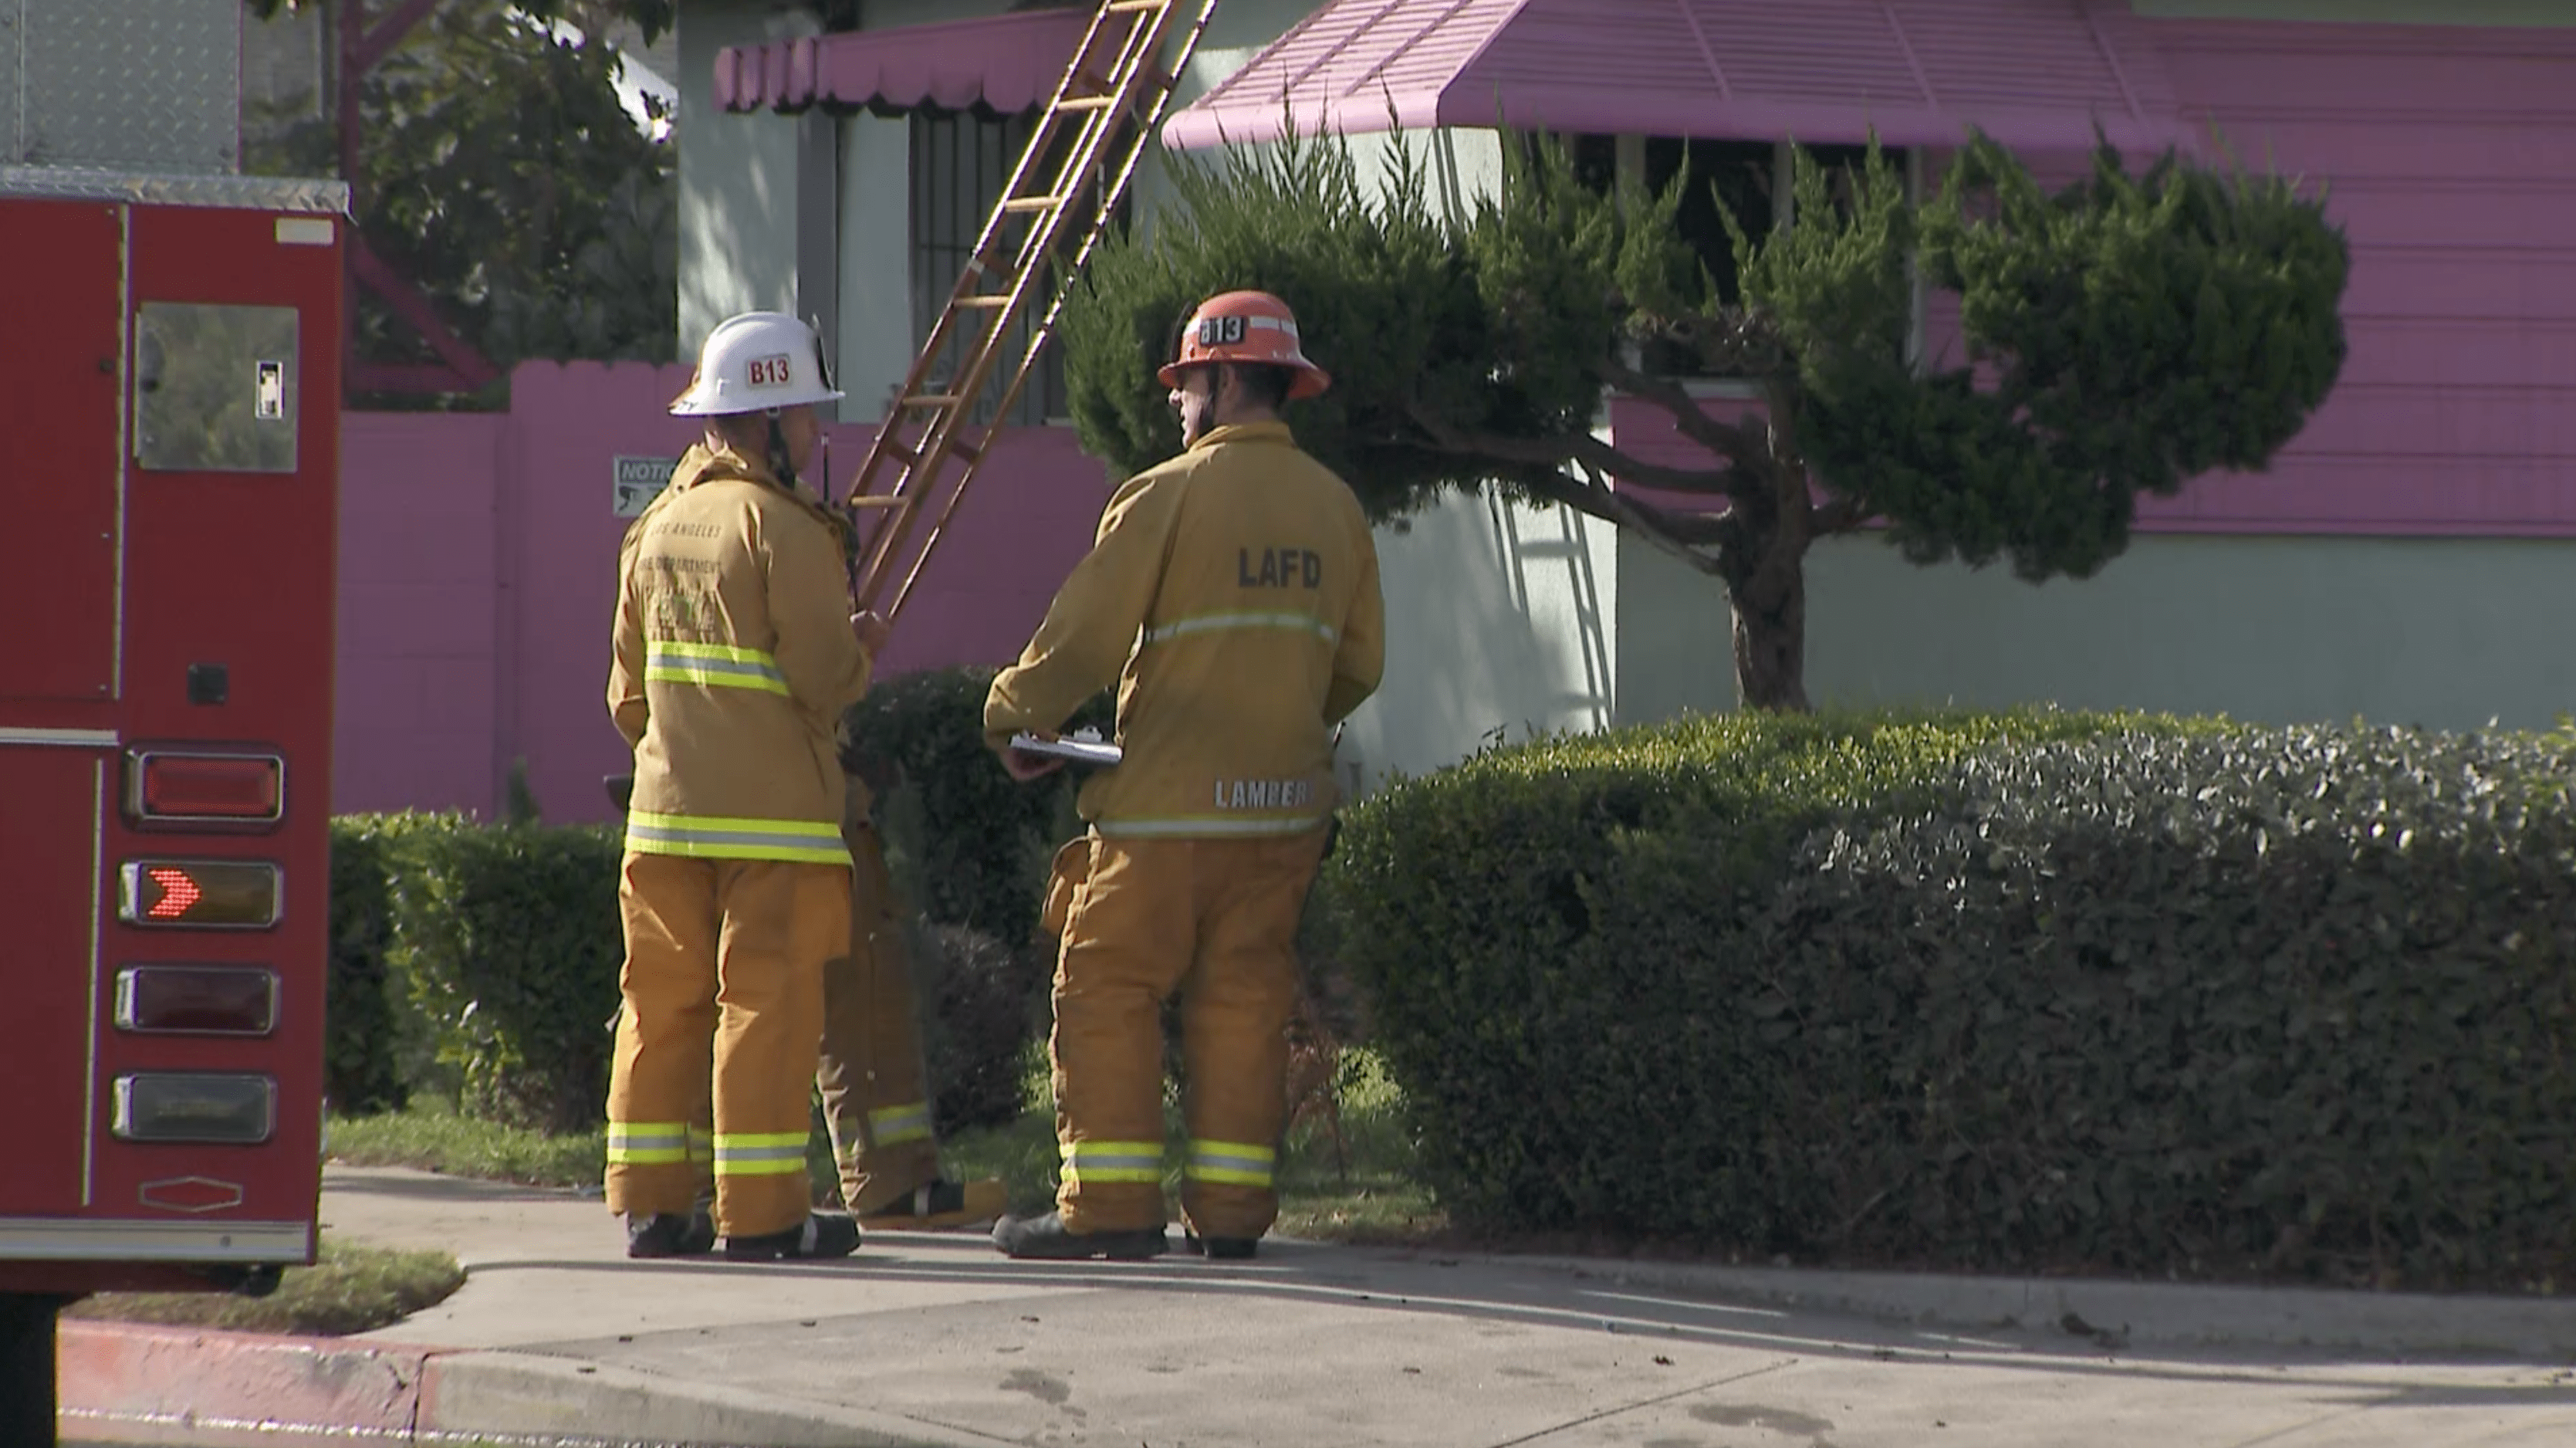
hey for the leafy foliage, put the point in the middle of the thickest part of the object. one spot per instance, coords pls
(973, 843)
(2123, 334)
(502, 175)
(507, 941)
(2022, 992)
(360, 1067)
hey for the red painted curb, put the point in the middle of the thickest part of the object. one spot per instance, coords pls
(138, 1370)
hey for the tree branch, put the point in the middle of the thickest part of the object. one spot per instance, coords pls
(1558, 451)
(1731, 441)
(1672, 533)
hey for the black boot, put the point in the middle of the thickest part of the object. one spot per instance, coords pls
(1223, 1249)
(1046, 1238)
(670, 1234)
(821, 1234)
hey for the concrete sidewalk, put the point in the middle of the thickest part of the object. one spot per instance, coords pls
(935, 1339)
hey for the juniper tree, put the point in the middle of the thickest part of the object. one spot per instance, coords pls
(2122, 335)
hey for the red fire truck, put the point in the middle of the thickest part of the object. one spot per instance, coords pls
(169, 349)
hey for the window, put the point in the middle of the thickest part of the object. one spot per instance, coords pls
(1751, 179)
(961, 164)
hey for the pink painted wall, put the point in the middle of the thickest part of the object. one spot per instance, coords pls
(2450, 154)
(478, 568)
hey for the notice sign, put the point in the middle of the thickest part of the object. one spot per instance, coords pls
(639, 480)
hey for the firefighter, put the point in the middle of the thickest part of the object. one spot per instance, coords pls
(876, 1100)
(1232, 593)
(735, 653)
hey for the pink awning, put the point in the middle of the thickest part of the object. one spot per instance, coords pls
(2037, 74)
(1009, 63)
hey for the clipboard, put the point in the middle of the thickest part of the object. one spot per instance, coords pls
(1078, 751)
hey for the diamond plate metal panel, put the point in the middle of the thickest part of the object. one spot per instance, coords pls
(254, 193)
(153, 84)
(13, 148)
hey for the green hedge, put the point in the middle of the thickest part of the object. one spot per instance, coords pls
(2024, 992)
(507, 942)
(976, 842)
(361, 1065)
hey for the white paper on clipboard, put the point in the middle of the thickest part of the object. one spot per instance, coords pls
(1080, 751)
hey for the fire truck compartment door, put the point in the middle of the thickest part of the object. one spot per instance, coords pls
(214, 388)
(63, 295)
(51, 798)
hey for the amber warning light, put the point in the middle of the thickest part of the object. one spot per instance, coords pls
(176, 787)
(235, 894)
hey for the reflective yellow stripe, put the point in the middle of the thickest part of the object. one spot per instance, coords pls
(647, 1143)
(1112, 1161)
(895, 1125)
(760, 1153)
(1233, 1163)
(720, 666)
(1223, 622)
(1168, 825)
(707, 837)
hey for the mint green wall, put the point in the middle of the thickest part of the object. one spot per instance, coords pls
(2446, 633)
(2369, 12)
(1499, 621)
(737, 175)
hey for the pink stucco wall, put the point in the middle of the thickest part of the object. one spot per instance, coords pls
(2445, 152)
(478, 563)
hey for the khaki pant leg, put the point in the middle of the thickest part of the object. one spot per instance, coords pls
(1127, 940)
(666, 1021)
(1235, 1007)
(781, 922)
(875, 1097)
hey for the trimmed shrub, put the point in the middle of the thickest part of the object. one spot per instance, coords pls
(507, 938)
(979, 830)
(2020, 992)
(361, 1062)
(981, 997)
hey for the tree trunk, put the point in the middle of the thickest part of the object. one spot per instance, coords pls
(1771, 640)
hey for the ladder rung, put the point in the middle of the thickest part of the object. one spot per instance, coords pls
(1131, 7)
(1088, 103)
(1033, 203)
(877, 500)
(984, 299)
(933, 399)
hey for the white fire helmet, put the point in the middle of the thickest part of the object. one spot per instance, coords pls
(754, 362)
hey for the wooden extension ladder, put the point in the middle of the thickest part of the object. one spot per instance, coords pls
(1079, 160)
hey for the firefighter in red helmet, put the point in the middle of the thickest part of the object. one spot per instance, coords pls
(1232, 595)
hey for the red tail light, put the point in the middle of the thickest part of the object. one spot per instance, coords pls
(183, 787)
(239, 894)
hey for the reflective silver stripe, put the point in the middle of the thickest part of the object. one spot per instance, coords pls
(740, 839)
(1222, 622)
(895, 1125)
(719, 665)
(93, 1239)
(1231, 1162)
(729, 1154)
(1199, 825)
(61, 738)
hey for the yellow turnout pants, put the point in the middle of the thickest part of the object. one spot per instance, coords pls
(1215, 920)
(722, 1013)
(875, 1096)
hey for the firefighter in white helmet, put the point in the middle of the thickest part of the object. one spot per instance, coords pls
(735, 654)
(1232, 594)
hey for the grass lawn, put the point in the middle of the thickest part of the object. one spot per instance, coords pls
(1364, 1192)
(352, 1289)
